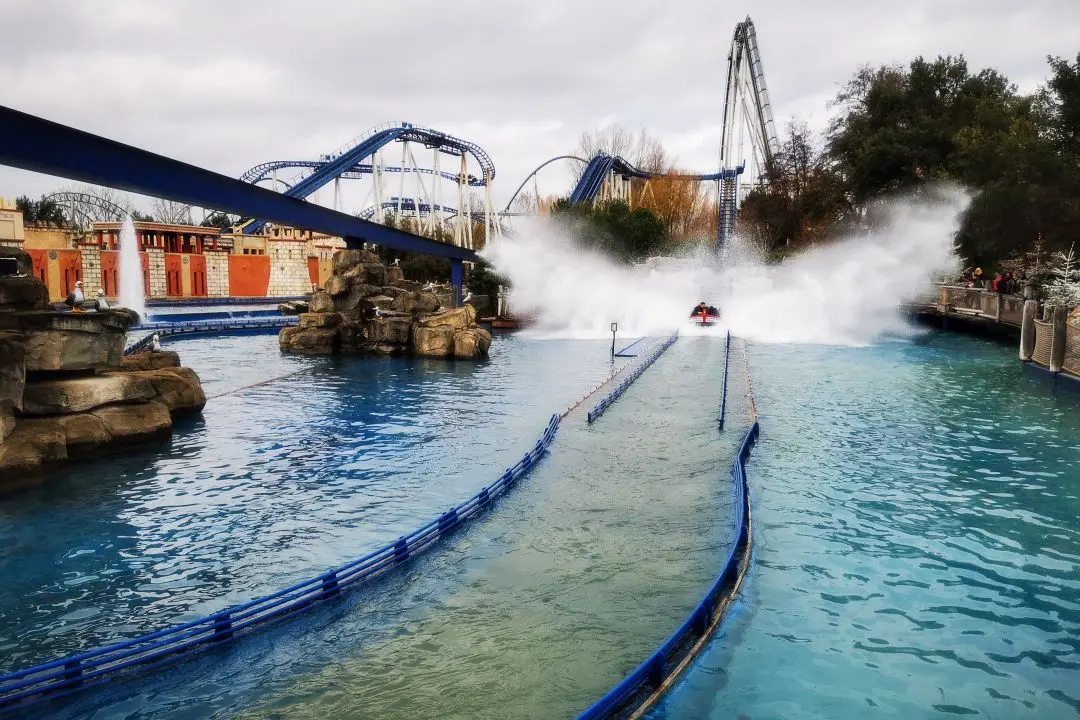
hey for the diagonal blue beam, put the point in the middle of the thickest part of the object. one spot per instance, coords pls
(40, 145)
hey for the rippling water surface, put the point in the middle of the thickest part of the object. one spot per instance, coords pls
(276, 481)
(917, 529)
(917, 550)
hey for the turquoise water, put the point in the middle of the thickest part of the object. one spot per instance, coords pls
(917, 530)
(917, 551)
(296, 465)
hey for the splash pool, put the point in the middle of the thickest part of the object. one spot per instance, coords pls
(915, 542)
(917, 552)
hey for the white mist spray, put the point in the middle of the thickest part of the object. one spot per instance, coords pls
(847, 292)
(132, 286)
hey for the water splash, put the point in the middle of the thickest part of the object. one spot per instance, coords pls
(847, 292)
(132, 285)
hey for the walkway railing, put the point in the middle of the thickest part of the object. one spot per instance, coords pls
(1007, 309)
(60, 676)
(614, 395)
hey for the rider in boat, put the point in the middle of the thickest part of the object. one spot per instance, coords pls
(703, 309)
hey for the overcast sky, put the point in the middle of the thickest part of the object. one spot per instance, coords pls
(227, 84)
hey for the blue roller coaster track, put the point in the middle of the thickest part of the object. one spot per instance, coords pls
(264, 172)
(602, 164)
(408, 204)
(346, 160)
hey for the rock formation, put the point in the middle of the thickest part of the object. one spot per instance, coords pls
(66, 389)
(368, 307)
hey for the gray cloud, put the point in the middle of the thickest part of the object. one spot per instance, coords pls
(229, 84)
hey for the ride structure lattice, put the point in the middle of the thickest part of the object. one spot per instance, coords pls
(749, 134)
(362, 158)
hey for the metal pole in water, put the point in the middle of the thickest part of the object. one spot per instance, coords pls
(614, 328)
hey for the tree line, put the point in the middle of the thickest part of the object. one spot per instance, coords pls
(899, 129)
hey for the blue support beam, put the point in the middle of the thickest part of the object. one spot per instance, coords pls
(457, 279)
(40, 145)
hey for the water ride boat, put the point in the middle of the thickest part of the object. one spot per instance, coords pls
(705, 315)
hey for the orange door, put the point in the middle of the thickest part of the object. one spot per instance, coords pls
(249, 275)
(173, 267)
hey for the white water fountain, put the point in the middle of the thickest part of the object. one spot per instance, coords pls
(132, 287)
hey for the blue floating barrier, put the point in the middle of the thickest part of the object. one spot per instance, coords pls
(37, 683)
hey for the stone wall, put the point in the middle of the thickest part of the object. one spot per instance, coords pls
(288, 267)
(217, 273)
(91, 270)
(156, 261)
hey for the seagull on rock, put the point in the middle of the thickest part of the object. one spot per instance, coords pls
(76, 298)
(155, 343)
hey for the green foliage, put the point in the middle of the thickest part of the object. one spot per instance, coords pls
(41, 213)
(219, 220)
(1063, 290)
(899, 128)
(614, 229)
(416, 266)
(482, 280)
(137, 216)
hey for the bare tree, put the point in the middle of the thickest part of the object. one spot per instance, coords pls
(171, 213)
(644, 151)
(87, 204)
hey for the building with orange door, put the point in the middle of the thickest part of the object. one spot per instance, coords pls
(178, 261)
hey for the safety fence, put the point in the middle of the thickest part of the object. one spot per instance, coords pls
(67, 674)
(614, 395)
(207, 326)
(723, 391)
(644, 686)
(1008, 309)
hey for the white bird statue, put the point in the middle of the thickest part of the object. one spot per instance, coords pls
(155, 343)
(396, 263)
(467, 298)
(429, 287)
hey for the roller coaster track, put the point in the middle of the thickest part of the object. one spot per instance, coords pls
(746, 81)
(263, 172)
(345, 159)
(408, 204)
(602, 165)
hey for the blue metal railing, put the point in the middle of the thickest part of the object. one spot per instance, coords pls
(63, 675)
(206, 326)
(614, 395)
(642, 687)
(723, 392)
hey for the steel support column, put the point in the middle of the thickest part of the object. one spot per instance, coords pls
(457, 278)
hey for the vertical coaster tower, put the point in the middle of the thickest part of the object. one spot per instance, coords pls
(749, 133)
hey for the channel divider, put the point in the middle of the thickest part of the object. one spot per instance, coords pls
(615, 394)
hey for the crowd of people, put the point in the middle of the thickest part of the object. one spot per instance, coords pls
(1005, 283)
